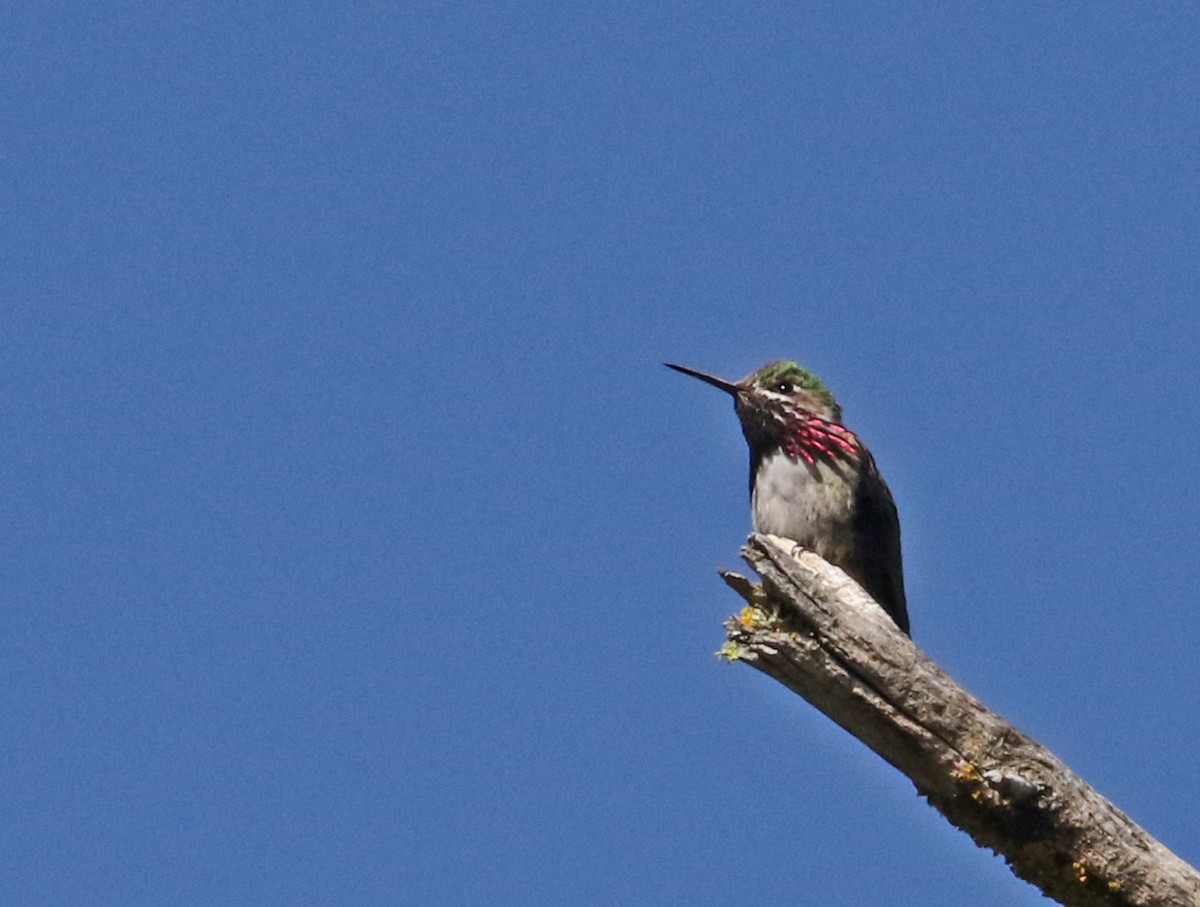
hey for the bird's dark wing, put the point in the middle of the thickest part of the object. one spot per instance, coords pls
(877, 527)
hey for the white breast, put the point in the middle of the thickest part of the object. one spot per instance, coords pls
(800, 502)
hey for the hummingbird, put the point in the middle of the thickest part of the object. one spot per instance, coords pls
(813, 481)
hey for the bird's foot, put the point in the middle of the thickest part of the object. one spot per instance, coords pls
(796, 550)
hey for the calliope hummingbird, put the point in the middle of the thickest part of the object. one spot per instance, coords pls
(813, 481)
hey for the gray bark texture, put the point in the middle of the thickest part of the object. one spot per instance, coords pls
(813, 629)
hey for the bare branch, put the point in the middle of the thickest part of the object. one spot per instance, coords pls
(815, 630)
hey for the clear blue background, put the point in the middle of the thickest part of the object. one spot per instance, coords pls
(358, 548)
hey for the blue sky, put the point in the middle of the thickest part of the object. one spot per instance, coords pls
(360, 550)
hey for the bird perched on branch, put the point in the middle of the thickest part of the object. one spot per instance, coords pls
(813, 481)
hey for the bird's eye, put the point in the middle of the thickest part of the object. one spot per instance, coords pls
(784, 387)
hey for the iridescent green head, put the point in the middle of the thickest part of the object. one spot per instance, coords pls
(778, 387)
(804, 389)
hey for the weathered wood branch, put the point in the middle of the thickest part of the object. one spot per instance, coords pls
(816, 631)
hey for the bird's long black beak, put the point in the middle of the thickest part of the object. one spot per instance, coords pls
(728, 386)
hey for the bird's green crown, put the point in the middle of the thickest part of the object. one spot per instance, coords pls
(785, 371)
